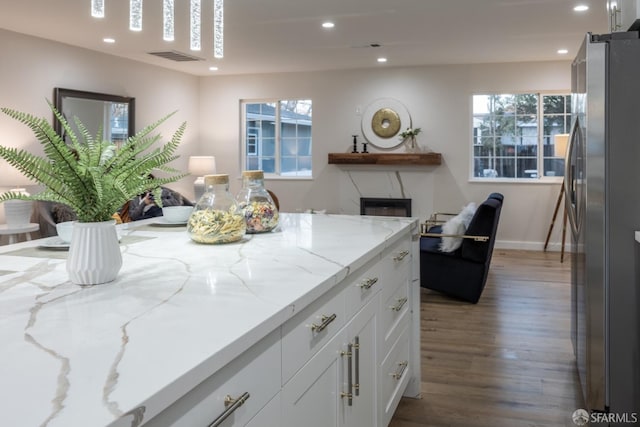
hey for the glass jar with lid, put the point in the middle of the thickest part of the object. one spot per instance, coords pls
(260, 211)
(216, 218)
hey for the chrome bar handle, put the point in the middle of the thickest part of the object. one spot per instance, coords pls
(326, 320)
(368, 283)
(356, 348)
(401, 256)
(398, 374)
(349, 393)
(231, 405)
(401, 303)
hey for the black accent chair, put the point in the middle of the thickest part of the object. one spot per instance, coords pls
(462, 273)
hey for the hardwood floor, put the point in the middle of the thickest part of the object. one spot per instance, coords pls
(507, 361)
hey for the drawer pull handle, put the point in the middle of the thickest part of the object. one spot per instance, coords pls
(368, 283)
(398, 374)
(401, 256)
(349, 393)
(401, 303)
(325, 322)
(231, 405)
(356, 349)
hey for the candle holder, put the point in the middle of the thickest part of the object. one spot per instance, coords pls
(364, 147)
(355, 144)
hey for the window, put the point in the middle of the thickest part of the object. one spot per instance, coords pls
(515, 135)
(277, 137)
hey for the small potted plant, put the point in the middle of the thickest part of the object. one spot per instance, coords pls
(410, 134)
(94, 179)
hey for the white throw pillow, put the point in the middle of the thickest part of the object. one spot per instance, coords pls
(457, 225)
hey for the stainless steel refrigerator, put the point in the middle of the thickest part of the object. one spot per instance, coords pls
(602, 187)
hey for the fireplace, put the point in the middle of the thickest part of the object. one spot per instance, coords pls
(385, 207)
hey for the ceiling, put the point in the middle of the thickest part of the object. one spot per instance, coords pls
(267, 36)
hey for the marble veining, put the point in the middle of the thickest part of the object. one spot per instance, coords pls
(357, 181)
(117, 354)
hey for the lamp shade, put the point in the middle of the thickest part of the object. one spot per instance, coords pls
(560, 142)
(202, 165)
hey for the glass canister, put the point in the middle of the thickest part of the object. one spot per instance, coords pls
(260, 211)
(216, 218)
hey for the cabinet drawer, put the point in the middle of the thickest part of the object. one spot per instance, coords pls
(206, 402)
(395, 372)
(308, 331)
(269, 415)
(362, 285)
(396, 267)
(393, 317)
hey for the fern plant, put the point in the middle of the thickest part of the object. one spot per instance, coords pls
(89, 174)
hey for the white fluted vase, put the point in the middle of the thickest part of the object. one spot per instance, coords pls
(94, 253)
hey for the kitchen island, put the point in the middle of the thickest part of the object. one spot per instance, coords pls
(186, 325)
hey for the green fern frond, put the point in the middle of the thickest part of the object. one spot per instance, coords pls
(88, 174)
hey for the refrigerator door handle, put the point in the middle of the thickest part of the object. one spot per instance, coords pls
(569, 183)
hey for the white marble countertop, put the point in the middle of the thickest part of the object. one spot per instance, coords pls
(178, 312)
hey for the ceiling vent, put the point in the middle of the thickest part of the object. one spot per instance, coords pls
(176, 56)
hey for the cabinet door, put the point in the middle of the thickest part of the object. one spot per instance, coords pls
(312, 398)
(361, 332)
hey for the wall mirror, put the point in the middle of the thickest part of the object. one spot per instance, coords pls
(114, 114)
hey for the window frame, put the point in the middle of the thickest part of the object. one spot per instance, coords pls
(541, 178)
(277, 137)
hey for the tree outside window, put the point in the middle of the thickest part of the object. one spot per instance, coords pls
(277, 137)
(507, 141)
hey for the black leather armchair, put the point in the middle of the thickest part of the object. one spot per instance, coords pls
(462, 273)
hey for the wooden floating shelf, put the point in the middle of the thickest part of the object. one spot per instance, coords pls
(385, 159)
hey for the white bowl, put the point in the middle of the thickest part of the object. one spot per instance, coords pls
(65, 230)
(177, 214)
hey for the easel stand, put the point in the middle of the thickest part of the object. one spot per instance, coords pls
(553, 221)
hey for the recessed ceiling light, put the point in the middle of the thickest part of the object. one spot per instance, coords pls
(108, 40)
(328, 24)
(563, 51)
(581, 8)
(382, 59)
(213, 68)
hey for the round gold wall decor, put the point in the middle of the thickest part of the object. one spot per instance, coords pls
(383, 120)
(385, 123)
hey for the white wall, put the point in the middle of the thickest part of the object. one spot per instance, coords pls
(32, 67)
(438, 99)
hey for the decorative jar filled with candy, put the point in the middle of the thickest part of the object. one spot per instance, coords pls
(216, 218)
(260, 211)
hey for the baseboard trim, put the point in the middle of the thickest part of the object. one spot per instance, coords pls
(531, 246)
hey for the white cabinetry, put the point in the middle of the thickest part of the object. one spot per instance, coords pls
(358, 376)
(343, 361)
(214, 398)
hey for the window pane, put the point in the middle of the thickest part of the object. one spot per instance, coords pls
(554, 124)
(268, 147)
(527, 104)
(268, 165)
(513, 134)
(528, 168)
(553, 104)
(505, 167)
(278, 135)
(295, 131)
(527, 126)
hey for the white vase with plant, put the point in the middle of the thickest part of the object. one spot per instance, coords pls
(408, 136)
(95, 179)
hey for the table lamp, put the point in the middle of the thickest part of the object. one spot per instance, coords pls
(199, 166)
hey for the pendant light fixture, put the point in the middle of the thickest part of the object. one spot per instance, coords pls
(168, 21)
